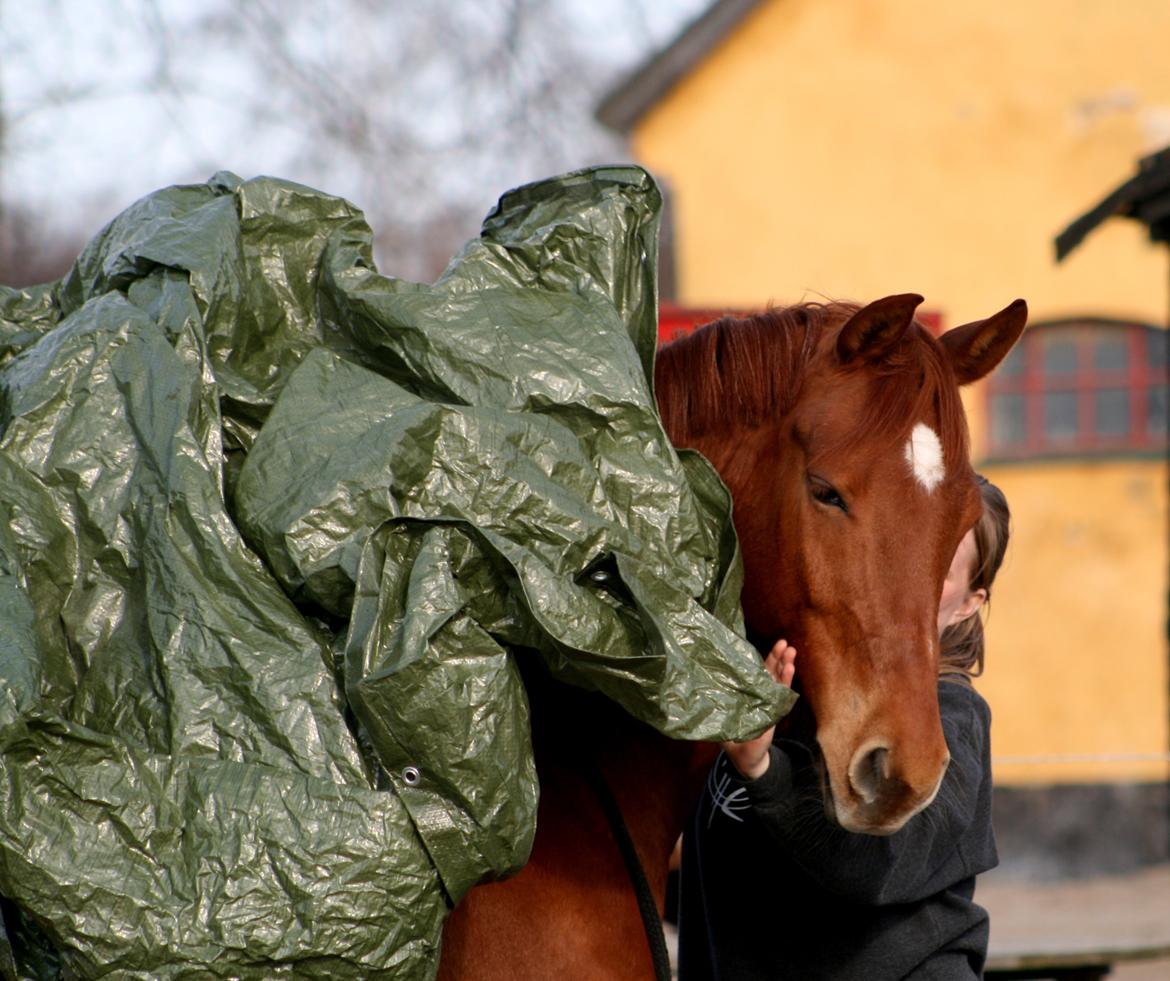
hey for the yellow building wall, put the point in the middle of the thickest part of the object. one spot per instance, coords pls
(1076, 670)
(855, 148)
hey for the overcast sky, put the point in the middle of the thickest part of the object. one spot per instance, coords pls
(106, 100)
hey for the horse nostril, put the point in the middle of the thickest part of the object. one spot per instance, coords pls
(868, 773)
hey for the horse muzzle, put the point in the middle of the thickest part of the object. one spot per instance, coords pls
(879, 797)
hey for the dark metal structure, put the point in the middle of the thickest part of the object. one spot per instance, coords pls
(1144, 197)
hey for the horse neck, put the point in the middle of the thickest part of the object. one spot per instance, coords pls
(655, 780)
(570, 912)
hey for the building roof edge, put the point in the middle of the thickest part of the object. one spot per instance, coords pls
(631, 98)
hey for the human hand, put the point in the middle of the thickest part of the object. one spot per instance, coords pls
(750, 757)
(781, 663)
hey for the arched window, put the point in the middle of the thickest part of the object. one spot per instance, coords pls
(1075, 387)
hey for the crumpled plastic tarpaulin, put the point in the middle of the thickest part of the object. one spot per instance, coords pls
(272, 528)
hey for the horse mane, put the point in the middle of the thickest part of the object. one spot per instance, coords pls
(737, 374)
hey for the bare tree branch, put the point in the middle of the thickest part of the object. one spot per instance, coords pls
(422, 111)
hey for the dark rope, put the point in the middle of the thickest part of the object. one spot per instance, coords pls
(651, 921)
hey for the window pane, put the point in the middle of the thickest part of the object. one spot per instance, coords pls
(1060, 354)
(1112, 412)
(1013, 365)
(1009, 426)
(1156, 411)
(1060, 416)
(1111, 350)
(1156, 347)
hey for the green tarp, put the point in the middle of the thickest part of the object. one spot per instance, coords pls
(274, 526)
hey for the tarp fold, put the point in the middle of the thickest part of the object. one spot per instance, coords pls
(273, 527)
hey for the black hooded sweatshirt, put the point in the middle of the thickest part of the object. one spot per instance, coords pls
(771, 889)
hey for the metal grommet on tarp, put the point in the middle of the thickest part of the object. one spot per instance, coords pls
(520, 469)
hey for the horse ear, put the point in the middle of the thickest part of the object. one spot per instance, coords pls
(976, 348)
(877, 327)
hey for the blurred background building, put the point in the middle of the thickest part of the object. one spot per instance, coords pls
(851, 150)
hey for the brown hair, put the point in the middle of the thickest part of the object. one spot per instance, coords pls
(738, 373)
(961, 645)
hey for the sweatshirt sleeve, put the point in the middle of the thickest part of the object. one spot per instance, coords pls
(916, 862)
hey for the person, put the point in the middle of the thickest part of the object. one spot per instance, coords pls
(771, 888)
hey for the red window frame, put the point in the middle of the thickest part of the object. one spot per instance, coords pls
(1033, 383)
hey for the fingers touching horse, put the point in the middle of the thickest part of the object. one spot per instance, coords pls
(840, 433)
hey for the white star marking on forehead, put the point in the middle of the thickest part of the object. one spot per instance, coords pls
(925, 456)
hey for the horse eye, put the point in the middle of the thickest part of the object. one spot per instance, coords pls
(827, 495)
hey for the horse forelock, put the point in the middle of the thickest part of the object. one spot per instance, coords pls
(739, 373)
(736, 373)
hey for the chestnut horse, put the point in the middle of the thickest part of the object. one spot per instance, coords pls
(840, 432)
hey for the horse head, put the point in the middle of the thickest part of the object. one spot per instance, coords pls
(840, 432)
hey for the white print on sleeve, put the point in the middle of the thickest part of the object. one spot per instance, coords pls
(717, 783)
